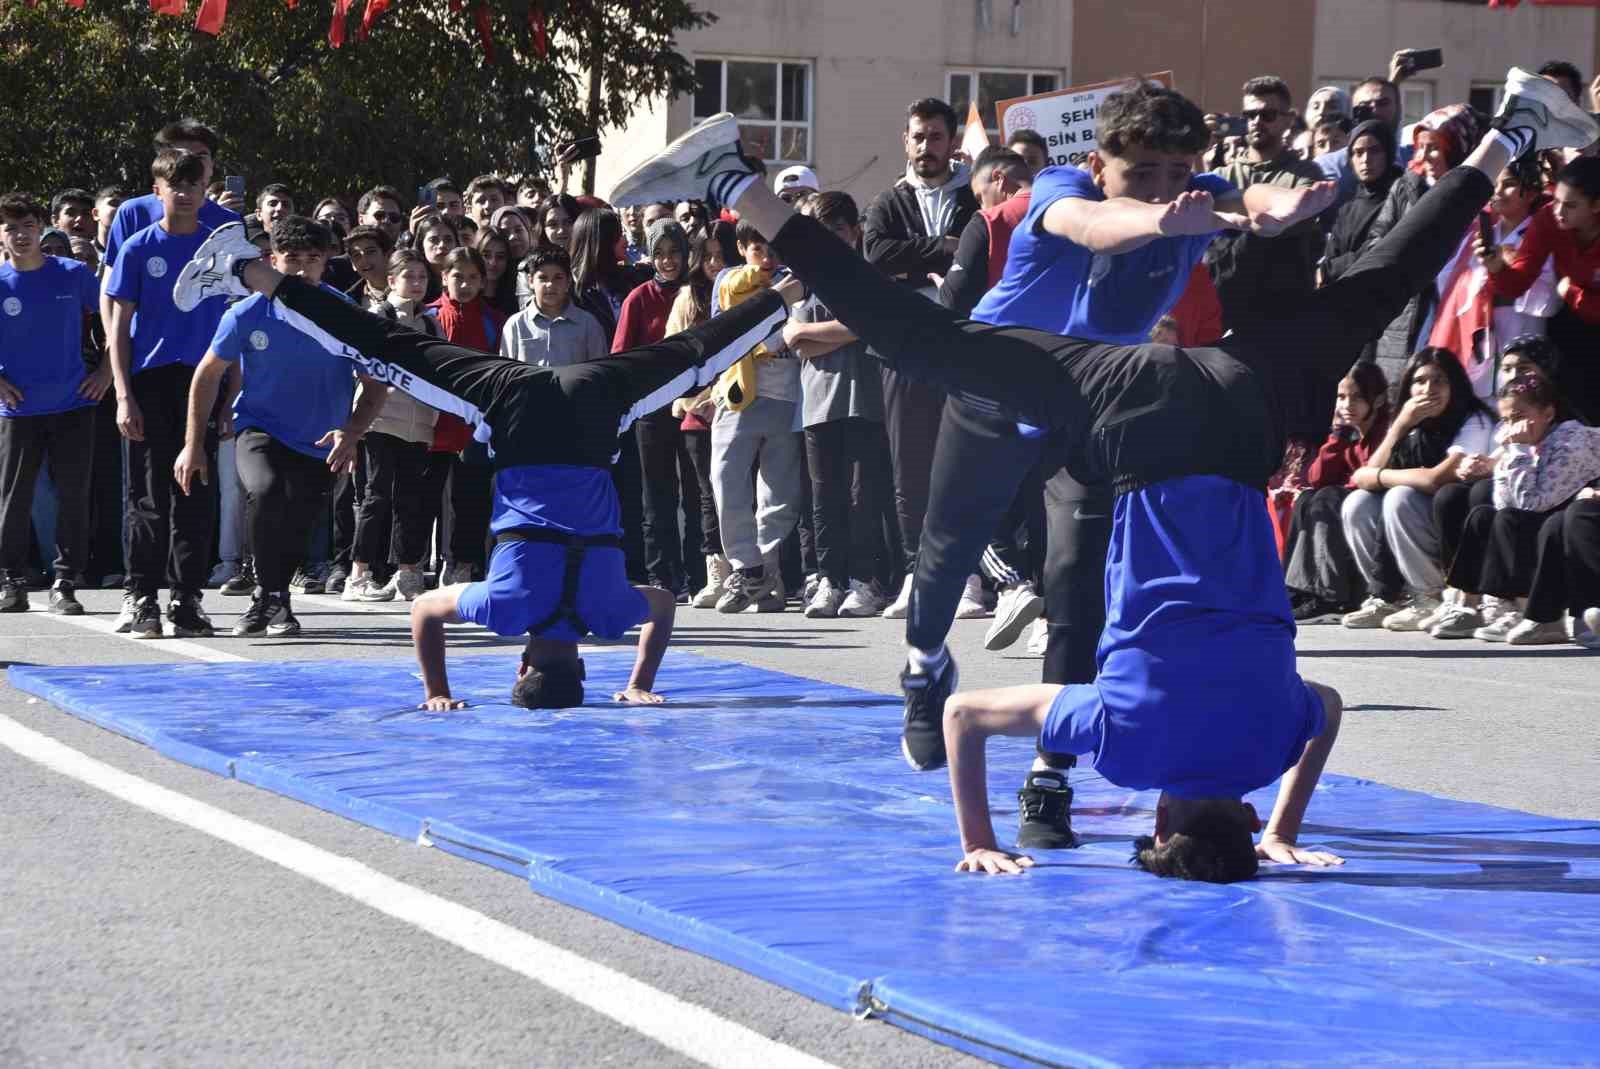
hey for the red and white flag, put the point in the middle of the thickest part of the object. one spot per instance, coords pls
(974, 139)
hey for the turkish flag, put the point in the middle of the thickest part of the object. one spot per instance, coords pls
(370, 15)
(167, 7)
(341, 12)
(974, 138)
(209, 19)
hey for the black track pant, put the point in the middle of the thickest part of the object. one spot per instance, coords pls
(535, 415)
(283, 488)
(169, 532)
(845, 458)
(1566, 575)
(62, 442)
(1131, 414)
(393, 518)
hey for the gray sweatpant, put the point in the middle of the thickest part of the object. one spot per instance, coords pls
(1401, 518)
(756, 516)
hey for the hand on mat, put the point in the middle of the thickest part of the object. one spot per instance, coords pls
(1195, 214)
(442, 703)
(1272, 848)
(994, 862)
(637, 696)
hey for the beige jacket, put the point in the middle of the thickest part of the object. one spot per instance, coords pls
(403, 416)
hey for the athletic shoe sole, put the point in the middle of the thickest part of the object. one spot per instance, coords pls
(200, 272)
(680, 171)
(1567, 125)
(1005, 630)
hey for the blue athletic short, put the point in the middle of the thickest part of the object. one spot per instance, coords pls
(524, 588)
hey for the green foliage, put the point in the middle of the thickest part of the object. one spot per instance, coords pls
(82, 92)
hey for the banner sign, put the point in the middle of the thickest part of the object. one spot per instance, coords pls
(1065, 118)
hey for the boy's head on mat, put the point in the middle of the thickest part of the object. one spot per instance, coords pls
(550, 676)
(1210, 839)
(1147, 138)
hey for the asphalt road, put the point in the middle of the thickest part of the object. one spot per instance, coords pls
(132, 940)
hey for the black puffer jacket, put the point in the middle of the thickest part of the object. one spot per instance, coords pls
(1352, 227)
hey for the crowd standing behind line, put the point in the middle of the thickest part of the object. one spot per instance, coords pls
(1457, 493)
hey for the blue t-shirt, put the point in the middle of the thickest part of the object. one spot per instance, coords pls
(41, 334)
(526, 579)
(1197, 691)
(1057, 285)
(136, 213)
(145, 274)
(291, 387)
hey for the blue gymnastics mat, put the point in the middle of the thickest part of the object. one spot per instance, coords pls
(768, 821)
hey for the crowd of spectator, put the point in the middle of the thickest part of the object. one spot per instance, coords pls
(1457, 492)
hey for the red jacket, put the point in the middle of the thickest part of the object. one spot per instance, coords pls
(1544, 239)
(475, 325)
(1339, 457)
(1198, 311)
(643, 320)
(1002, 221)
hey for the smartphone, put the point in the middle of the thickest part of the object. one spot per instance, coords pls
(1231, 125)
(583, 148)
(1424, 59)
(1363, 112)
(1485, 230)
(234, 184)
(426, 196)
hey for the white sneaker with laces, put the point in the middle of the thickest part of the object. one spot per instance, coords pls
(1039, 638)
(1450, 600)
(1017, 607)
(1458, 621)
(717, 571)
(902, 604)
(1537, 114)
(366, 589)
(130, 609)
(1584, 635)
(214, 270)
(971, 606)
(1537, 633)
(1591, 619)
(704, 164)
(864, 599)
(1373, 612)
(824, 604)
(1499, 629)
(1413, 616)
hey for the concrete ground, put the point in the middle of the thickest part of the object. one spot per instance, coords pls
(132, 940)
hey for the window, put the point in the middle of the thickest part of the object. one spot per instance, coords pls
(993, 86)
(1485, 96)
(770, 97)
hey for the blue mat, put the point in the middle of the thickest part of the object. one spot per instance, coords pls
(767, 821)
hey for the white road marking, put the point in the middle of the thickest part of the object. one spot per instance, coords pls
(681, 1026)
(181, 646)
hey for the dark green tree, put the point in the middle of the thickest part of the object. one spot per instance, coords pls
(82, 91)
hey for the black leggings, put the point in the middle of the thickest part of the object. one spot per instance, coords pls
(282, 487)
(1566, 575)
(1131, 414)
(534, 415)
(393, 518)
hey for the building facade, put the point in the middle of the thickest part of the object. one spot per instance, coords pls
(826, 82)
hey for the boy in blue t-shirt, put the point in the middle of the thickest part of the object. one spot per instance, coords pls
(154, 350)
(292, 422)
(47, 400)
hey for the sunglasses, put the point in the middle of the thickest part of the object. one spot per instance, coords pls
(1264, 114)
(388, 217)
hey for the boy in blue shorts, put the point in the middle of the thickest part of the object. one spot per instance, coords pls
(1196, 691)
(557, 572)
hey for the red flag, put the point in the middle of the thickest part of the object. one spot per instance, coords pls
(341, 11)
(370, 15)
(75, 3)
(541, 38)
(167, 7)
(482, 19)
(209, 19)
(291, 4)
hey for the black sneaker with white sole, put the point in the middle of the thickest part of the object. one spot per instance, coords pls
(64, 599)
(707, 163)
(265, 612)
(214, 270)
(188, 619)
(242, 585)
(922, 734)
(1044, 812)
(13, 596)
(146, 621)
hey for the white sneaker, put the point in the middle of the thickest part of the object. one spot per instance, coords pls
(1537, 114)
(1018, 607)
(1499, 629)
(717, 571)
(408, 585)
(971, 606)
(1039, 639)
(130, 609)
(1449, 600)
(1373, 612)
(366, 589)
(1457, 621)
(1591, 619)
(808, 589)
(1537, 633)
(1584, 635)
(213, 271)
(703, 164)
(1492, 608)
(1414, 615)
(824, 604)
(901, 605)
(864, 599)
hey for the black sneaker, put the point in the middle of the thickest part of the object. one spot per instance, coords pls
(922, 736)
(337, 577)
(1316, 611)
(268, 615)
(189, 620)
(13, 596)
(306, 581)
(1044, 812)
(242, 585)
(64, 601)
(146, 621)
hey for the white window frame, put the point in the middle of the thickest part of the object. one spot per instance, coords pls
(779, 123)
(974, 72)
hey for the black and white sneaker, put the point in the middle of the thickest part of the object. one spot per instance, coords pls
(1044, 812)
(1537, 114)
(146, 621)
(64, 599)
(922, 734)
(188, 619)
(214, 271)
(268, 615)
(241, 584)
(13, 595)
(307, 580)
(706, 163)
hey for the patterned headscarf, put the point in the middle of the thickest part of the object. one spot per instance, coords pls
(1460, 126)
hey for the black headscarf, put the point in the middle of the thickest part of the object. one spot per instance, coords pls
(1386, 137)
